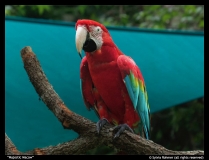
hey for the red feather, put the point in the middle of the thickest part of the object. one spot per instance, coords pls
(102, 77)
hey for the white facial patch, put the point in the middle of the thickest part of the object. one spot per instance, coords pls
(96, 35)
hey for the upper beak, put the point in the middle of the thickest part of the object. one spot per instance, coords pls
(80, 38)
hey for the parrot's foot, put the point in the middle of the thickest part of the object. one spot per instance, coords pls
(121, 128)
(100, 124)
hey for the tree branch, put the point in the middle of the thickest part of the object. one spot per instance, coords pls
(10, 148)
(88, 137)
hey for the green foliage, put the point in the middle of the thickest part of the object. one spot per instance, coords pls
(180, 127)
(33, 11)
(187, 17)
(177, 128)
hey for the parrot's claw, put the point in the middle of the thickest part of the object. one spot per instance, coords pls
(120, 129)
(100, 124)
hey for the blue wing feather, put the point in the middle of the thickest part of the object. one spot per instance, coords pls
(139, 100)
(133, 95)
(143, 110)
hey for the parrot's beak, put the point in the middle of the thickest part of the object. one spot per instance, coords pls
(80, 38)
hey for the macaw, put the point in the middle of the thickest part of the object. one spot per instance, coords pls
(111, 82)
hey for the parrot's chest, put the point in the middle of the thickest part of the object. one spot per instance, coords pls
(108, 81)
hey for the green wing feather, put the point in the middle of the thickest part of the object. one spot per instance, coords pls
(138, 95)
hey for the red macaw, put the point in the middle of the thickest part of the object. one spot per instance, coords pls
(111, 82)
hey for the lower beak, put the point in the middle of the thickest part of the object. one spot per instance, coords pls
(80, 38)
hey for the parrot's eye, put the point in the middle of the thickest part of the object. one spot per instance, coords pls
(95, 29)
(98, 29)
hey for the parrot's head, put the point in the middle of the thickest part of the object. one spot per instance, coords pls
(90, 36)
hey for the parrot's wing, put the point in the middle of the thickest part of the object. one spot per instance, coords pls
(87, 86)
(136, 89)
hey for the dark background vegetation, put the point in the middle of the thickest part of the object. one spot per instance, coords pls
(177, 128)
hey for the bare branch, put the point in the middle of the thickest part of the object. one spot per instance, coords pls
(10, 148)
(88, 136)
(74, 147)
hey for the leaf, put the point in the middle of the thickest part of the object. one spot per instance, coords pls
(82, 9)
(189, 9)
(166, 18)
(42, 8)
(201, 24)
